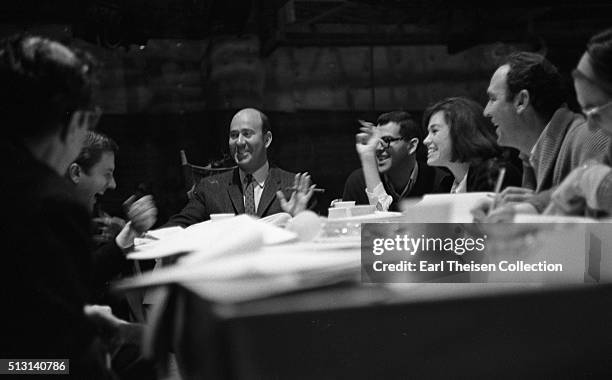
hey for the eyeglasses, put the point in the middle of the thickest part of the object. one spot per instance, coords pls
(387, 140)
(594, 113)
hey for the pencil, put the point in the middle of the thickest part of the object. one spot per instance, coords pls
(316, 189)
(498, 185)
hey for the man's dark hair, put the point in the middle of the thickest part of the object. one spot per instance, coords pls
(472, 135)
(599, 48)
(42, 84)
(534, 73)
(94, 146)
(408, 127)
(265, 123)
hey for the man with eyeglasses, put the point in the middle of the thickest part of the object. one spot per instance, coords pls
(527, 106)
(389, 170)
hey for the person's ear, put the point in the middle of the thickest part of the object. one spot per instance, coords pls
(521, 101)
(268, 139)
(74, 172)
(413, 144)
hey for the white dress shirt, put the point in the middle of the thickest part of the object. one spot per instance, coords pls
(382, 200)
(461, 186)
(259, 176)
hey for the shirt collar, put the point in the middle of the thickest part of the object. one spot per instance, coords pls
(415, 172)
(461, 186)
(538, 142)
(534, 148)
(409, 185)
(259, 175)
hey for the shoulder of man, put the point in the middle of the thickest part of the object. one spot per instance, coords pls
(587, 142)
(46, 194)
(356, 176)
(354, 187)
(278, 173)
(354, 183)
(220, 179)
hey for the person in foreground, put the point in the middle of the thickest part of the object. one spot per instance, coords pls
(255, 187)
(389, 169)
(462, 140)
(588, 189)
(46, 271)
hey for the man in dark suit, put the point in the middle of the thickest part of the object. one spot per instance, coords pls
(255, 187)
(389, 169)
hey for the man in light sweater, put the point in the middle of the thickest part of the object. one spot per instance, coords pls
(527, 105)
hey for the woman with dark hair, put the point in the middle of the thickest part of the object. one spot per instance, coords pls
(589, 187)
(462, 140)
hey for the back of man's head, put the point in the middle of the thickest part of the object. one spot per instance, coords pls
(599, 49)
(94, 146)
(408, 127)
(534, 73)
(43, 83)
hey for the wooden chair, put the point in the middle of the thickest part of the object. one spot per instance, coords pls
(194, 173)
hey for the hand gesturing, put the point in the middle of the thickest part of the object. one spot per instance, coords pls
(300, 195)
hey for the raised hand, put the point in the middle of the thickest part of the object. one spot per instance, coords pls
(300, 195)
(141, 213)
(367, 140)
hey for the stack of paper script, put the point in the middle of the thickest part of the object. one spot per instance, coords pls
(242, 258)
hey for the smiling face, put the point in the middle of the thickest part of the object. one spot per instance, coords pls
(500, 110)
(438, 141)
(247, 142)
(94, 182)
(396, 153)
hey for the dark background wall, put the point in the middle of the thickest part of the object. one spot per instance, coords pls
(177, 95)
(320, 142)
(173, 72)
(181, 95)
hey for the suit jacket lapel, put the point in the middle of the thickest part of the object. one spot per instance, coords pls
(235, 193)
(269, 192)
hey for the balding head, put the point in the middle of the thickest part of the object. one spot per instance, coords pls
(252, 116)
(249, 138)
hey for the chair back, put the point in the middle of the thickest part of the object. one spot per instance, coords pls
(192, 174)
